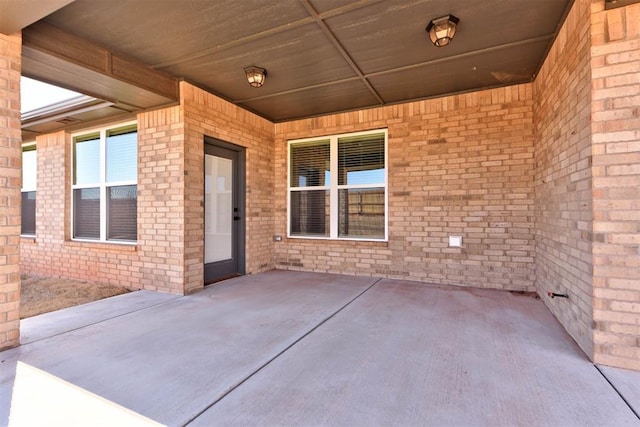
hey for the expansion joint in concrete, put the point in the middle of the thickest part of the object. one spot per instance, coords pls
(283, 351)
(613, 386)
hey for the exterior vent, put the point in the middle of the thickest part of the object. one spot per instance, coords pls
(67, 121)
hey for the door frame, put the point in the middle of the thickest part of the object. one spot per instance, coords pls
(241, 198)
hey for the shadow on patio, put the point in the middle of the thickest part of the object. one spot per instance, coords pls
(292, 348)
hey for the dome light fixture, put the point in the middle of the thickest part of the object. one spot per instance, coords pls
(255, 75)
(441, 30)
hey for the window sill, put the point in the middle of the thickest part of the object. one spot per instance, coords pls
(329, 239)
(27, 238)
(109, 246)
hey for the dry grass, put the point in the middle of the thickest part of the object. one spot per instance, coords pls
(42, 295)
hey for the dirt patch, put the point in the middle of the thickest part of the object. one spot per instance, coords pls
(42, 295)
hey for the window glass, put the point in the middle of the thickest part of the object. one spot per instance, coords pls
(310, 213)
(105, 171)
(361, 160)
(122, 202)
(352, 168)
(86, 202)
(361, 213)
(29, 175)
(310, 164)
(86, 160)
(122, 156)
(28, 225)
(29, 164)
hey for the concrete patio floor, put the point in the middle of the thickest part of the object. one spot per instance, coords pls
(292, 348)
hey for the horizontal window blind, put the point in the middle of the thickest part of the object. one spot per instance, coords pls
(361, 160)
(310, 213)
(310, 164)
(352, 203)
(105, 174)
(28, 226)
(122, 212)
(86, 206)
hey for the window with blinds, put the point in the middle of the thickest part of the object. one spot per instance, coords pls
(105, 174)
(29, 174)
(310, 178)
(338, 187)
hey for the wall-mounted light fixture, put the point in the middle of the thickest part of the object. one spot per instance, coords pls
(255, 75)
(441, 30)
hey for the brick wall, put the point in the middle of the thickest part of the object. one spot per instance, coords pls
(208, 115)
(51, 253)
(458, 165)
(563, 177)
(615, 110)
(541, 180)
(159, 262)
(10, 183)
(169, 254)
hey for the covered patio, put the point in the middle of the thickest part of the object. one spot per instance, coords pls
(299, 348)
(506, 160)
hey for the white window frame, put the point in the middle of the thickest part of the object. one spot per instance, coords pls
(24, 189)
(102, 185)
(334, 188)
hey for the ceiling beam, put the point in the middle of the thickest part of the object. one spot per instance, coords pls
(18, 14)
(49, 51)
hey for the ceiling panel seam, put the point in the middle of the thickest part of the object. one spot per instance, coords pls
(469, 54)
(256, 36)
(336, 43)
(299, 89)
(266, 33)
(347, 8)
(323, 56)
(405, 68)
